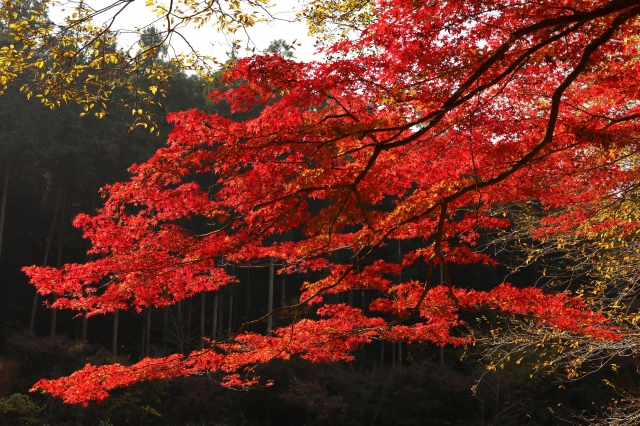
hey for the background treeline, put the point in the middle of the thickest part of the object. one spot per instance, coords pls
(52, 164)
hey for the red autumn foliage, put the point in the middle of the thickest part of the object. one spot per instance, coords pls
(441, 110)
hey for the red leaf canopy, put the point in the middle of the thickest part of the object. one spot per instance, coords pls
(437, 113)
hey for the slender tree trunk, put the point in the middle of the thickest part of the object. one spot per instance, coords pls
(179, 327)
(34, 307)
(189, 314)
(400, 260)
(3, 204)
(235, 312)
(165, 325)
(220, 315)
(441, 352)
(89, 257)
(203, 299)
(283, 297)
(54, 311)
(400, 354)
(147, 334)
(214, 328)
(270, 298)
(230, 329)
(248, 291)
(114, 337)
(143, 337)
(381, 353)
(393, 354)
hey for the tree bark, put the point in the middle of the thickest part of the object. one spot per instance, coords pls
(165, 325)
(441, 352)
(179, 327)
(143, 332)
(89, 257)
(283, 296)
(114, 337)
(85, 324)
(248, 291)
(399, 261)
(54, 311)
(189, 314)
(34, 307)
(220, 315)
(230, 329)
(147, 334)
(270, 298)
(214, 328)
(393, 355)
(3, 205)
(203, 299)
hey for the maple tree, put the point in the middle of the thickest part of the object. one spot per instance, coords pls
(417, 129)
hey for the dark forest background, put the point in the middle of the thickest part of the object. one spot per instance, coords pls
(52, 164)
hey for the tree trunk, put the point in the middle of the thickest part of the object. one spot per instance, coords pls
(179, 327)
(143, 332)
(381, 353)
(85, 324)
(230, 329)
(34, 307)
(400, 261)
(165, 325)
(147, 334)
(248, 292)
(214, 328)
(203, 299)
(114, 337)
(283, 296)
(220, 315)
(270, 298)
(400, 354)
(441, 358)
(89, 258)
(54, 311)
(189, 313)
(3, 205)
(393, 355)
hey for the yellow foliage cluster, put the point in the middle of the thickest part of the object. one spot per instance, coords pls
(329, 20)
(79, 61)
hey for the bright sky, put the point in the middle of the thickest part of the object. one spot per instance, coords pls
(207, 40)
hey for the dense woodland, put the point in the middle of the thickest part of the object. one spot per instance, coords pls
(53, 163)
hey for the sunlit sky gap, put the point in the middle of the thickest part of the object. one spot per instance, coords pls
(207, 40)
